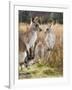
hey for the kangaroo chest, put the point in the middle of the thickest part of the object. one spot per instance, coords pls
(33, 38)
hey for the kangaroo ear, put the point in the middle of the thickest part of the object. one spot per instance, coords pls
(32, 19)
(39, 21)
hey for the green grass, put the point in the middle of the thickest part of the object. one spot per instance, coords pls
(39, 70)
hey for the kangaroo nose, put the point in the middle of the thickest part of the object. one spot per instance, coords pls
(47, 29)
(40, 29)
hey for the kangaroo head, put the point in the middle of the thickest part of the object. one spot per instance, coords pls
(36, 23)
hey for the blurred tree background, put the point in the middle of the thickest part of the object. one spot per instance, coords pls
(25, 16)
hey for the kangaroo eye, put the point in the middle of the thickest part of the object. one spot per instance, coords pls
(47, 29)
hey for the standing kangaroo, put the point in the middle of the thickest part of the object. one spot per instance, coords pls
(28, 40)
(50, 39)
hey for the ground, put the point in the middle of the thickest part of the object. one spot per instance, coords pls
(38, 71)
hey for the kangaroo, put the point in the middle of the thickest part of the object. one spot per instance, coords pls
(28, 40)
(39, 50)
(50, 38)
(22, 52)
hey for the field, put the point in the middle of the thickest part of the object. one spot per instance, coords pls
(49, 66)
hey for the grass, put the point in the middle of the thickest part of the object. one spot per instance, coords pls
(39, 70)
